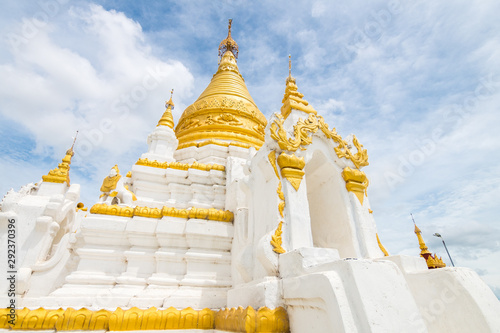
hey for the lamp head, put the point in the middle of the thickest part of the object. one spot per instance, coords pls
(437, 235)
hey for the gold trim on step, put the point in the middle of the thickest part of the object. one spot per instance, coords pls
(135, 319)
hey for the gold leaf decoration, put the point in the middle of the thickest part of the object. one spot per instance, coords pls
(303, 131)
(277, 241)
(211, 214)
(135, 319)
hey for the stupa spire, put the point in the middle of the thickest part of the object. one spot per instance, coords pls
(61, 173)
(167, 118)
(228, 44)
(293, 99)
(224, 113)
(432, 260)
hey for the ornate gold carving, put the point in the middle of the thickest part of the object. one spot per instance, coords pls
(248, 320)
(304, 128)
(180, 166)
(291, 168)
(135, 319)
(211, 214)
(61, 173)
(277, 241)
(281, 196)
(174, 212)
(118, 320)
(129, 174)
(190, 123)
(355, 182)
(101, 208)
(382, 248)
(228, 44)
(214, 142)
(151, 212)
(227, 118)
(272, 159)
(434, 262)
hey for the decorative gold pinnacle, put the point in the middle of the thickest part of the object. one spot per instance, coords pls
(225, 111)
(228, 44)
(432, 260)
(61, 173)
(167, 119)
(290, 67)
(293, 98)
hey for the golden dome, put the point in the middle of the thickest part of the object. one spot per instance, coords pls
(225, 110)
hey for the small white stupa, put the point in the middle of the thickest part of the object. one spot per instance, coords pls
(230, 222)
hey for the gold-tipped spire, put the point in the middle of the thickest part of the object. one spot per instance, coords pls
(61, 173)
(292, 98)
(424, 251)
(225, 112)
(228, 44)
(432, 260)
(167, 118)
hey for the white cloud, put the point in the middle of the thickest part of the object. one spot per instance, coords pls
(89, 70)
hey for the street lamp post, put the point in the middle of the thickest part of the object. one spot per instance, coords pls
(439, 235)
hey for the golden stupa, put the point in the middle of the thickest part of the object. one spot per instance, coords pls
(225, 112)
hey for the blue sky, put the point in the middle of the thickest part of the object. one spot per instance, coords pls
(418, 83)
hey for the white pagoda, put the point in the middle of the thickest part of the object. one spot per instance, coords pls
(230, 222)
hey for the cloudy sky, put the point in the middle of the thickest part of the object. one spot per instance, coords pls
(417, 82)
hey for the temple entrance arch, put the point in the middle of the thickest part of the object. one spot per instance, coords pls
(329, 206)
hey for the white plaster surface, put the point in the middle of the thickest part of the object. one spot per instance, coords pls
(332, 278)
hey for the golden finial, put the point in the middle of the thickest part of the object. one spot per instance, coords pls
(61, 173)
(289, 65)
(228, 44)
(290, 78)
(74, 140)
(432, 261)
(293, 98)
(170, 102)
(167, 119)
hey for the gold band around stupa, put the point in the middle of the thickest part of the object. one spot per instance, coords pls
(135, 319)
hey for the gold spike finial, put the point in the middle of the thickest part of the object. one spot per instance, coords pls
(61, 173)
(432, 261)
(74, 140)
(292, 98)
(167, 118)
(289, 65)
(228, 44)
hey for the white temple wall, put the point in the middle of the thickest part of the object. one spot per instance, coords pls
(42, 215)
(332, 223)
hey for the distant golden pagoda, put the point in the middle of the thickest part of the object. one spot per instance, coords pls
(432, 260)
(225, 111)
